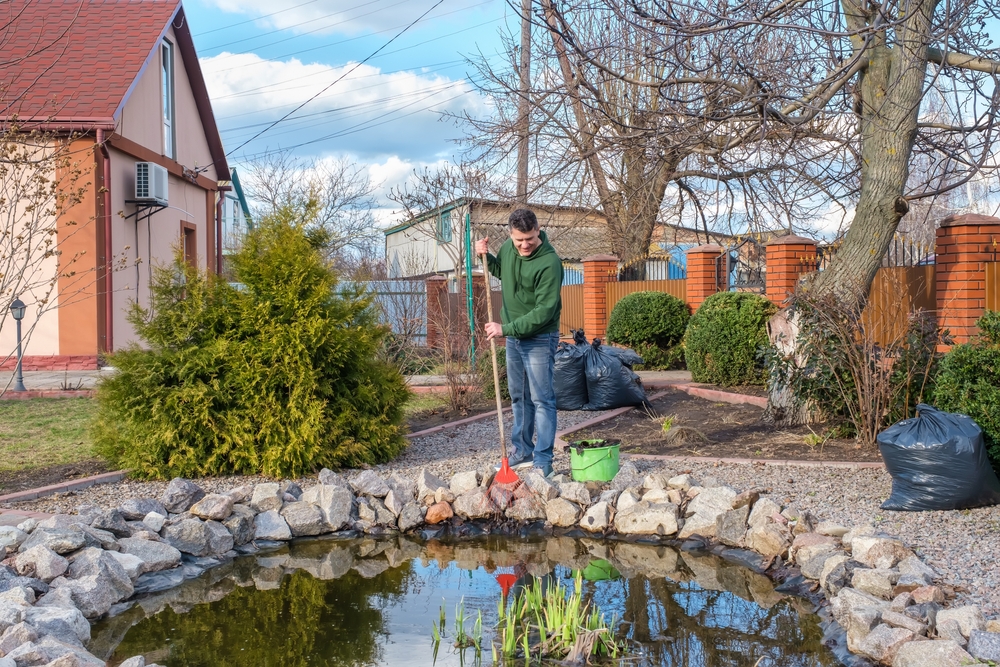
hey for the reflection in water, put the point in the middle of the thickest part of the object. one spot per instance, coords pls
(366, 602)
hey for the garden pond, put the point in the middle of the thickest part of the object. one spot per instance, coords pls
(364, 601)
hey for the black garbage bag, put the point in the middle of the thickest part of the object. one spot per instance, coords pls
(610, 383)
(628, 357)
(937, 461)
(569, 377)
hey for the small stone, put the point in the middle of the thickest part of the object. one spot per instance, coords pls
(656, 481)
(597, 518)
(968, 617)
(932, 654)
(198, 538)
(475, 504)
(540, 486)
(951, 630)
(438, 512)
(609, 497)
(214, 506)
(267, 497)
(848, 538)
(561, 512)
(882, 643)
(135, 509)
(91, 596)
(137, 661)
(745, 499)
(155, 556)
(393, 504)
(410, 517)
(19, 595)
(11, 537)
(270, 525)
(404, 488)
(15, 635)
(927, 594)
(627, 476)
(464, 481)
(131, 564)
(292, 489)
(60, 540)
(154, 521)
(329, 478)
(680, 482)
(28, 525)
(368, 483)
(240, 524)
(334, 503)
(914, 566)
(575, 492)
(626, 499)
(984, 645)
(879, 552)
(57, 597)
(241, 495)
(731, 526)
(87, 512)
(768, 539)
(179, 496)
(762, 511)
(659, 495)
(877, 582)
(897, 620)
(303, 519)
(526, 509)
(427, 486)
(443, 495)
(58, 621)
(860, 623)
(909, 582)
(113, 522)
(812, 567)
(102, 564)
(993, 625)
(40, 562)
(643, 518)
(901, 602)
(849, 600)
(831, 529)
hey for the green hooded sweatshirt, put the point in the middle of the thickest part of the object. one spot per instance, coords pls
(530, 287)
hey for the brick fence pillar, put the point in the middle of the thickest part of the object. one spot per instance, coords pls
(598, 271)
(437, 293)
(788, 257)
(965, 243)
(702, 273)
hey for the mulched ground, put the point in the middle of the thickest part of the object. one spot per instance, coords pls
(700, 427)
(22, 480)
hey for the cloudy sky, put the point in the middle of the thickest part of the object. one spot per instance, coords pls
(264, 58)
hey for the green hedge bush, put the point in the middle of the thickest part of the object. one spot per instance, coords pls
(276, 374)
(652, 324)
(484, 367)
(968, 381)
(725, 338)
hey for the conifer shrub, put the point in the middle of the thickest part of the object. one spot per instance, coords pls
(725, 339)
(652, 324)
(275, 374)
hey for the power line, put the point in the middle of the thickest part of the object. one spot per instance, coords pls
(326, 88)
(233, 25)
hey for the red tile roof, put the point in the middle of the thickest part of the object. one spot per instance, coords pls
(75, 60)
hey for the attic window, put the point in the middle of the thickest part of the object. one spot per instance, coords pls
(444, 227)
(167, 87)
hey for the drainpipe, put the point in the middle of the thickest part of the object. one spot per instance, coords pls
(109, 309)
(218, 227)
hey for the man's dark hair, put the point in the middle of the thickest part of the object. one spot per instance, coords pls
(523, 220)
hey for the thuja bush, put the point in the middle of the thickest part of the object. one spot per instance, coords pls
(651, 323)
(726, 337)
(969, 381)
(274, 374)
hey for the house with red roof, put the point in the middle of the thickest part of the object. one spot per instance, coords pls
(119, 84)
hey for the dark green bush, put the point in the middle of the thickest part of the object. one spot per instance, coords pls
(968, 381)
(277, 374)
(725, 338)
(651, 323)
(484, 366)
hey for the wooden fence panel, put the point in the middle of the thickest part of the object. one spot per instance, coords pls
(993, 286)
(572, 309)
(616, 291)
(896, 292)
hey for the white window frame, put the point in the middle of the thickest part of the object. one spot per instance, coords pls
(167, 99)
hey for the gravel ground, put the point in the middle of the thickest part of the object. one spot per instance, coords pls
(961, 545)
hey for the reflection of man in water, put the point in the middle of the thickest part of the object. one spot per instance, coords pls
(525, 580)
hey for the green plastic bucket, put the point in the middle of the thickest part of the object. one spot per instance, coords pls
(594, 464)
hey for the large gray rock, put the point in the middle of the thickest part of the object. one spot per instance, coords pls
(97, 538)
(897, 620)
(940, 653)
(859, 624)
(190, 536)
(329, 478)
(15, 635)
(681, 482)
(154, 521)
(155, 556)
(878, 582)
(240, 524)
(597, 518)
(628, 476)
(475, 504)
(60, 540)
(58, 621)
(334, 503)
(883, 642)
(55, 653)
(878, 552)
(214, 506)
(812, 567)
(102, 564)
(266, 497)
(392, 503)
(731, 526)
(541, 487)
(368, 483)
(575, 492)
(374, 511)
(627, 499)
(835, 575)
(848, 600)
(131, 564)
(561, 512)
(270, 525)
(113, 522)
(914, 566)
(180, 495)
(767, 539)
(303, 518)
(11, 614)
(135, 509)
(762, 511)
(968, 617)
(404, 488)
(19, 595)
(984, 645)
(427, 487)
(57, 597)
(528, 508)
(91, 595)
(410, 517)
(40, 562)
(462, 482)
(646, 519)
(11, 537)
(711, 502)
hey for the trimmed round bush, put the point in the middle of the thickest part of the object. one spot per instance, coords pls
(651, 323)
(968, 382)
(725, 337)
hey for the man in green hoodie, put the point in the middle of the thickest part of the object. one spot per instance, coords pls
(530, 274)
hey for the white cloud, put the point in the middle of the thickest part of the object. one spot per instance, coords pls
(368, 113)
(347, 16)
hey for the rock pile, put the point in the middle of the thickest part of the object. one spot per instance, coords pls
(58, 574)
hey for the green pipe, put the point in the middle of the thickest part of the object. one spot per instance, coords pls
(468, 288)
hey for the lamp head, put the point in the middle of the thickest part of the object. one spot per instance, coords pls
(17, 309)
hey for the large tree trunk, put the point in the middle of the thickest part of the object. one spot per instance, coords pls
(891, 88)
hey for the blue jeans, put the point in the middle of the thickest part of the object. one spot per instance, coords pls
(530, 363)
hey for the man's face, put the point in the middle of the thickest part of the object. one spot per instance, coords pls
(525, 242)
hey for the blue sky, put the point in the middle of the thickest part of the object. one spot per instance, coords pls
(262, 58)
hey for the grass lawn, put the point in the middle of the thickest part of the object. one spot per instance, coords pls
(41, 432)
(423, 402)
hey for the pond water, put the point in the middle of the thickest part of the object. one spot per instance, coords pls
(358, 602)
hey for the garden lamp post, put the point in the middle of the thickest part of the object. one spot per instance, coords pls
(17, 309)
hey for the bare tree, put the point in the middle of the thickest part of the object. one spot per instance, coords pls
(337, 193)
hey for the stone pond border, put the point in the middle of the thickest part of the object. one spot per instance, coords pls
(60, 573)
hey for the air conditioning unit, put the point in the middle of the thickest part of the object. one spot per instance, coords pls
(150, 183)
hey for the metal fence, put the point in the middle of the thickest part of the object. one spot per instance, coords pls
(402, 305)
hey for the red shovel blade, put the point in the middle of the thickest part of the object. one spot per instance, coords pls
(505, 475)
(506, 582)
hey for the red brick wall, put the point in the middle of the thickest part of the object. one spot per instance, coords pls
(702, 273)
(788, 257)
(965, 243)
(437, 291)
(598, 271)
(53, 362)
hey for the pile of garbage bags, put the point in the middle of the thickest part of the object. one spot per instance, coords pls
(589, 376)
(937, 461)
